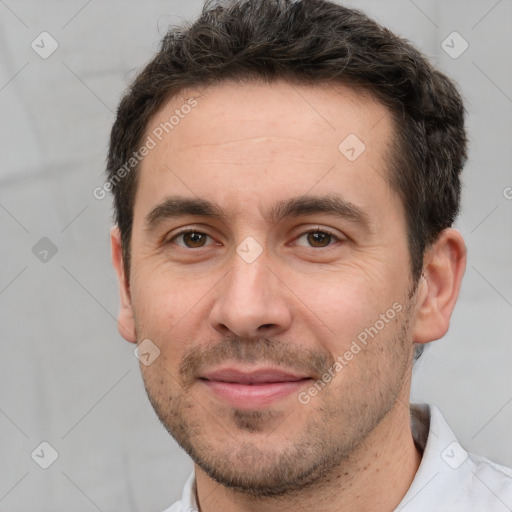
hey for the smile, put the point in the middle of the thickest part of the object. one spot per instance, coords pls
(254, 389)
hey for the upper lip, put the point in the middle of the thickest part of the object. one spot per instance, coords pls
(259, 376)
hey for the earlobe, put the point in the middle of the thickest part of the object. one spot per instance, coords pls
(439, 286)
(126, 319)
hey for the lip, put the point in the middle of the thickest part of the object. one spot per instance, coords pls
(253, 389)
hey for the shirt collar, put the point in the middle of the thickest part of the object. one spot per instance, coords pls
(443, 470)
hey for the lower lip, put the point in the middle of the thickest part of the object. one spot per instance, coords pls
(253, 396)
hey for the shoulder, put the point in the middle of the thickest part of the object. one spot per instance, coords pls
(450, 479)
(490, 478)
(479, 485)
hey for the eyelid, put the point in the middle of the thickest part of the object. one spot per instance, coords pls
(320, 229)
(168, 240)
(192, 229)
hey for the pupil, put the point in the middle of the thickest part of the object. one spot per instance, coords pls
(319, 238)
(194, 238)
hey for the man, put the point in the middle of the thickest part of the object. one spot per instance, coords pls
(285, 177)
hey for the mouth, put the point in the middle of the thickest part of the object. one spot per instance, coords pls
(255, 388)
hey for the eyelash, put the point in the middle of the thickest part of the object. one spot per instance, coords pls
(317, 230)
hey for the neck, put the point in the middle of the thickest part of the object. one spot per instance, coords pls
(375, 476)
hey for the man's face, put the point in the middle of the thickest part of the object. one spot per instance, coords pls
(251, 308)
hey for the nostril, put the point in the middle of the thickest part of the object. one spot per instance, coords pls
(223, 327)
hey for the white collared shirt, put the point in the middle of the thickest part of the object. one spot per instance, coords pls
(449, 478)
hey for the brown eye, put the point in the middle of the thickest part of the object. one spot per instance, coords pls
(194, 239)
(190, 239)
(319, 239)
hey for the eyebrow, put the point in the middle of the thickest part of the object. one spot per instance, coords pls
(331, 204)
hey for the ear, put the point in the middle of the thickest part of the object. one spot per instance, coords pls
(126, 319)
(443, 267)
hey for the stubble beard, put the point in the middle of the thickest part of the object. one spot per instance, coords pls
(247, 460)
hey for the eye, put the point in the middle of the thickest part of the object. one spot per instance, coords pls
(318, 238)
(190, 239)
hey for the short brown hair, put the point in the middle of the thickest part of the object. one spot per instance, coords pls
(309, 42)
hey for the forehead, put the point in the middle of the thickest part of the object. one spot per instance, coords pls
(230, 110)
(271, 139)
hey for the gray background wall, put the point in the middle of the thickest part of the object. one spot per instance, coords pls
(66, 376)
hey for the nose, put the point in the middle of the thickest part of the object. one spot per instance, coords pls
(251, 301)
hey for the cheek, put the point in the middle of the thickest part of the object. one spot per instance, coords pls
(347, 300)
(167, 310)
